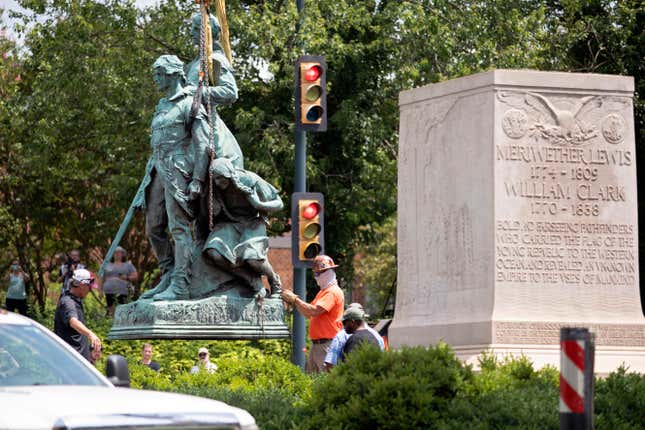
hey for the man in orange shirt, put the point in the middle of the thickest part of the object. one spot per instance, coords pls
(325, 311)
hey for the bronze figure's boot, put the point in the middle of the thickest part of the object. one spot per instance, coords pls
(162, 286)
(177, 290)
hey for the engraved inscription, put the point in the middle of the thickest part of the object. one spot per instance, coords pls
(542, 333)
(571, 253)
(561, 181)
(560, 204)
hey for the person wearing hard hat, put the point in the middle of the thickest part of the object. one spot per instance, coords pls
(325, 311)
(69, 319)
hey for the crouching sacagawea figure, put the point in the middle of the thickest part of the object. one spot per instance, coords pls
(238, 242)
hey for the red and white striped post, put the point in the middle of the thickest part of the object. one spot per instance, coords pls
(577, 350)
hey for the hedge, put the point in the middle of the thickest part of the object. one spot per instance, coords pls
(408, 388)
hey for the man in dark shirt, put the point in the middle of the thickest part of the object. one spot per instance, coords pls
(69, 320)
(354, 324)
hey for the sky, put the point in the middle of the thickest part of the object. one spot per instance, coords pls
(6, 6)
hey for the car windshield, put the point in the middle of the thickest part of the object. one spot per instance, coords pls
(30, 356)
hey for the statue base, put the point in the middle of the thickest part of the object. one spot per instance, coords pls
(221, 317)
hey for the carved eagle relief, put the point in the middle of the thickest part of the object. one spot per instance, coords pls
(559, 125)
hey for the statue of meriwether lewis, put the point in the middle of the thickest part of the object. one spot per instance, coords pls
(176, 173)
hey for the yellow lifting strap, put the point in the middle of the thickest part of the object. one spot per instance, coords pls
(208, 36)
(220, 11)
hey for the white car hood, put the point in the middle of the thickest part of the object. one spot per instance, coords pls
(55, 406)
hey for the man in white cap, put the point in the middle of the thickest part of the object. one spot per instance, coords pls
(204, 362)
(69, 319)
(324, 311)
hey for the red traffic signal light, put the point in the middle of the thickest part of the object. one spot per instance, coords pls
(313, 73)
(311, 94)
(307, 219)
(311, 210)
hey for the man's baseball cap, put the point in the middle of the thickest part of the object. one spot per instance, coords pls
(353, 313)
(83, 276)
(202, 350)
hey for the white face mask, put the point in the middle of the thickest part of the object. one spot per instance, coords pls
(325, 278)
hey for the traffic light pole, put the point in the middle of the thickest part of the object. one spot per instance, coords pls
(299, 274)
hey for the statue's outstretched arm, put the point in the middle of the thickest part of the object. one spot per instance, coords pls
(225, 92)
(273, 205)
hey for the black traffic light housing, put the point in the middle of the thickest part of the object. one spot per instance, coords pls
(311, 93)
(308, 228)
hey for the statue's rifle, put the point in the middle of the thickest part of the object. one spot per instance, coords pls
(137, 202)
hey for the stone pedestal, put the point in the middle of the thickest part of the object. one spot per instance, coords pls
(517, 215)
(219, 317)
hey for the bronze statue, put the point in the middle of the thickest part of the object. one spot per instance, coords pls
(205, 215)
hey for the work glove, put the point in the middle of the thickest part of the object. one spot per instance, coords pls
(288, 297)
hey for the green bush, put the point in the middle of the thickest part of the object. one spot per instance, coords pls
(178, 356)
(509, 373)
(532, 406)
(410, 388)
(271, 408)
(430, 388)
(620, 401)
(402, 389)
(506, 394)
(273, 390)
(520, 405)
(234, 372)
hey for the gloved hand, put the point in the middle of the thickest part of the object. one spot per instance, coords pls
(288, 297)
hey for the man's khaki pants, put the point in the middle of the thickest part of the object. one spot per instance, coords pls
(316, 358)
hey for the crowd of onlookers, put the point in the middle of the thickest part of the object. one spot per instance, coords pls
(116, 284)
(76, 282)
(334, 330)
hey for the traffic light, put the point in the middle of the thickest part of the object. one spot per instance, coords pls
(311, 93)
(308, 227)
